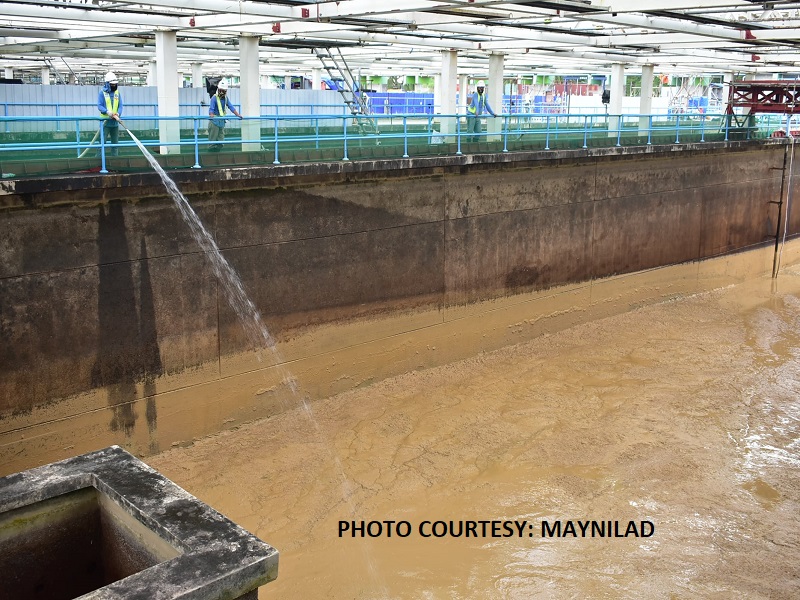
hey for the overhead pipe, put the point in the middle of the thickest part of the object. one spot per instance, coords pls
(367, 8)
(244, 7)
(666, 24)
(408, 40)
(513, 33)
(96, 16)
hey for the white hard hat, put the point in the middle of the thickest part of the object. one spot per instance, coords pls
(111, 77)
(481, 84)
(223, 84)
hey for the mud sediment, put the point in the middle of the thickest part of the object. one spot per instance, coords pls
(684, 414)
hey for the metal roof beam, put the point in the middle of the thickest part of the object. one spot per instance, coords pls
(53, 14)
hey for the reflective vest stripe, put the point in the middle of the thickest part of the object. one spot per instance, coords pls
(220, 108)
(111, 108)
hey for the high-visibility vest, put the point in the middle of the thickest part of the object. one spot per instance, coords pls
(111, 107)
(474, 109)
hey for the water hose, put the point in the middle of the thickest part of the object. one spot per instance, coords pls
(94, 139)
(89, 147)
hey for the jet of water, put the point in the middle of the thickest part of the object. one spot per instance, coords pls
(232, 287)
(250, 318)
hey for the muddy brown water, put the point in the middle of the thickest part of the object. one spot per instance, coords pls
(684, 414)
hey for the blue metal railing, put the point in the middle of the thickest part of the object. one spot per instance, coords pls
(279, 132)
(72, 110)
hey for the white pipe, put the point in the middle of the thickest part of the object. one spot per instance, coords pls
(96, 16)
(396, 39)
(510, 32)
(665, 24)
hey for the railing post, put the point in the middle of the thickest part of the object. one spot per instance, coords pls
(727, 125)
(316, 129)
(276, 161)
(619, 130)
(585, 129)
(196, 144)
(103, 147)
(78, 136)
(649, 130)
(405, 136)
(702, 128)
(505, 136)
(677, 128)
(58, 114)
(430, 129)
(547, 133)
(458, 135)
(344, 129)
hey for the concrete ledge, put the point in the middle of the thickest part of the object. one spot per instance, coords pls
(27, 192)
(153, 539)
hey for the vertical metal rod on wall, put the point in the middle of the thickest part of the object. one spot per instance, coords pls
(776, 262)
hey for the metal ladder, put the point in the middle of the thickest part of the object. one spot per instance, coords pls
(334, 63)
(52, 67)
(49, 64)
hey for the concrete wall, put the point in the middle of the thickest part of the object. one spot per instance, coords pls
(113, 329)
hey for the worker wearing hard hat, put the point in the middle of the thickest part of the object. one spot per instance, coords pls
(109, 103)
(478, 103)
(217, 110)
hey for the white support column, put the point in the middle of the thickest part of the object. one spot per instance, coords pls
(437, 93)
(316, 79)
(45, 76)
(167, 82)
(727, 79)
(9, 73)
(617, 90)
(152, 77)
(250, 93)
(448, 89)
(646, 99)
(494, 92)
(287, 82)
(463, 93)
(197, 76)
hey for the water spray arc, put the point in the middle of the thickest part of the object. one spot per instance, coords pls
(256, 331)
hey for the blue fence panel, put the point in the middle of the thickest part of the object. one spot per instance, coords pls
(401, 103)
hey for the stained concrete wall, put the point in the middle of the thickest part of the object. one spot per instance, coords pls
(113, 328)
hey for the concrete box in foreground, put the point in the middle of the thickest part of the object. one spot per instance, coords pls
(106, 526)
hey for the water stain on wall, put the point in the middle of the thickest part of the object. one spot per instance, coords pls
(127, 345)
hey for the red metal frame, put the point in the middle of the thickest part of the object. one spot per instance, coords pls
(782, 97)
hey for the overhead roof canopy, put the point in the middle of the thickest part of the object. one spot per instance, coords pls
(390, 37)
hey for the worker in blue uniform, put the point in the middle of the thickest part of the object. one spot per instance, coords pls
(109, 103)
(218, 108)
(478, 103)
